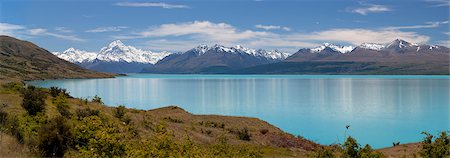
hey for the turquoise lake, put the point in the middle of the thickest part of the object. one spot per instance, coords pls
(379, 109)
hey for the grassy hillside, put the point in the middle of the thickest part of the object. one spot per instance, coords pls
(23, 60)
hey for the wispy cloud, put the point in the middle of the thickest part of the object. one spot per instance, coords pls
(21, 31)
(371, 8)
(439, 3)
(63, 29)
(426, 25)
(44, 32)
(151, 4)
(272, 27)
(107, 29)
(183, 36)
(447, 33)
(10, 29)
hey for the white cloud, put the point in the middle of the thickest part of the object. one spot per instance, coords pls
(44, 32)
(107, 29)
(447, 33)
(208, 31)
(358, 36)
(24, 32)
(183, 36)
(10, 29)
(150, 4)
(272, 27)
(371, 8)
(439, 3)
(63, 29)
(427, 25)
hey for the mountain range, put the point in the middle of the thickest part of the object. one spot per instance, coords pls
(396, 57)
(116, 57)
(215, 59)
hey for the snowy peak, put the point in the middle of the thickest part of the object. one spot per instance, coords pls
(273, 54)
(337, 48)
(117, 43)
(398, 43)
(76, 56)
(372, 46)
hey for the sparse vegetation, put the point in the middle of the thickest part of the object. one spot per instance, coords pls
(440, 147)
(82, 113)
(174, 120)
(244, 135)
(97, 99)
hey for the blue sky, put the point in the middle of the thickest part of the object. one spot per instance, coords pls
(181, 25)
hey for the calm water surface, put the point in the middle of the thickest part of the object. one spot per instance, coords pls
(379, 109)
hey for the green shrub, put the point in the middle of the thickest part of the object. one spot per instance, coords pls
(119, 111)
(82, 113)
(439, 148)
(55, 91)
(33, 100)
(244, 135)
(350, 148)
(3, 116)
(83, 101)
(97, 138)
(174, 120)
(97, 99)
(61, 105)
(323, 152)
(54, 137)
(13, 127)
(12, 87)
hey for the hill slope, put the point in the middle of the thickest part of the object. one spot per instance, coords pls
(24, 60)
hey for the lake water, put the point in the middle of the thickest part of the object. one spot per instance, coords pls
(379, 109)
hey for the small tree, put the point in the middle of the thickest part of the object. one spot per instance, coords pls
(33, 100)
(350, 148)
(439, 148)
(97, 99)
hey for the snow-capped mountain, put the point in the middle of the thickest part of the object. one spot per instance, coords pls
(372, 46)
(215, 59)
(273, 54)
(116, 51)
(400, 45)
(116, 57)
(76, 56)
(338, 48)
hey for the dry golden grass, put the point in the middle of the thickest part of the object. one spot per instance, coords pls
(9, 147)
